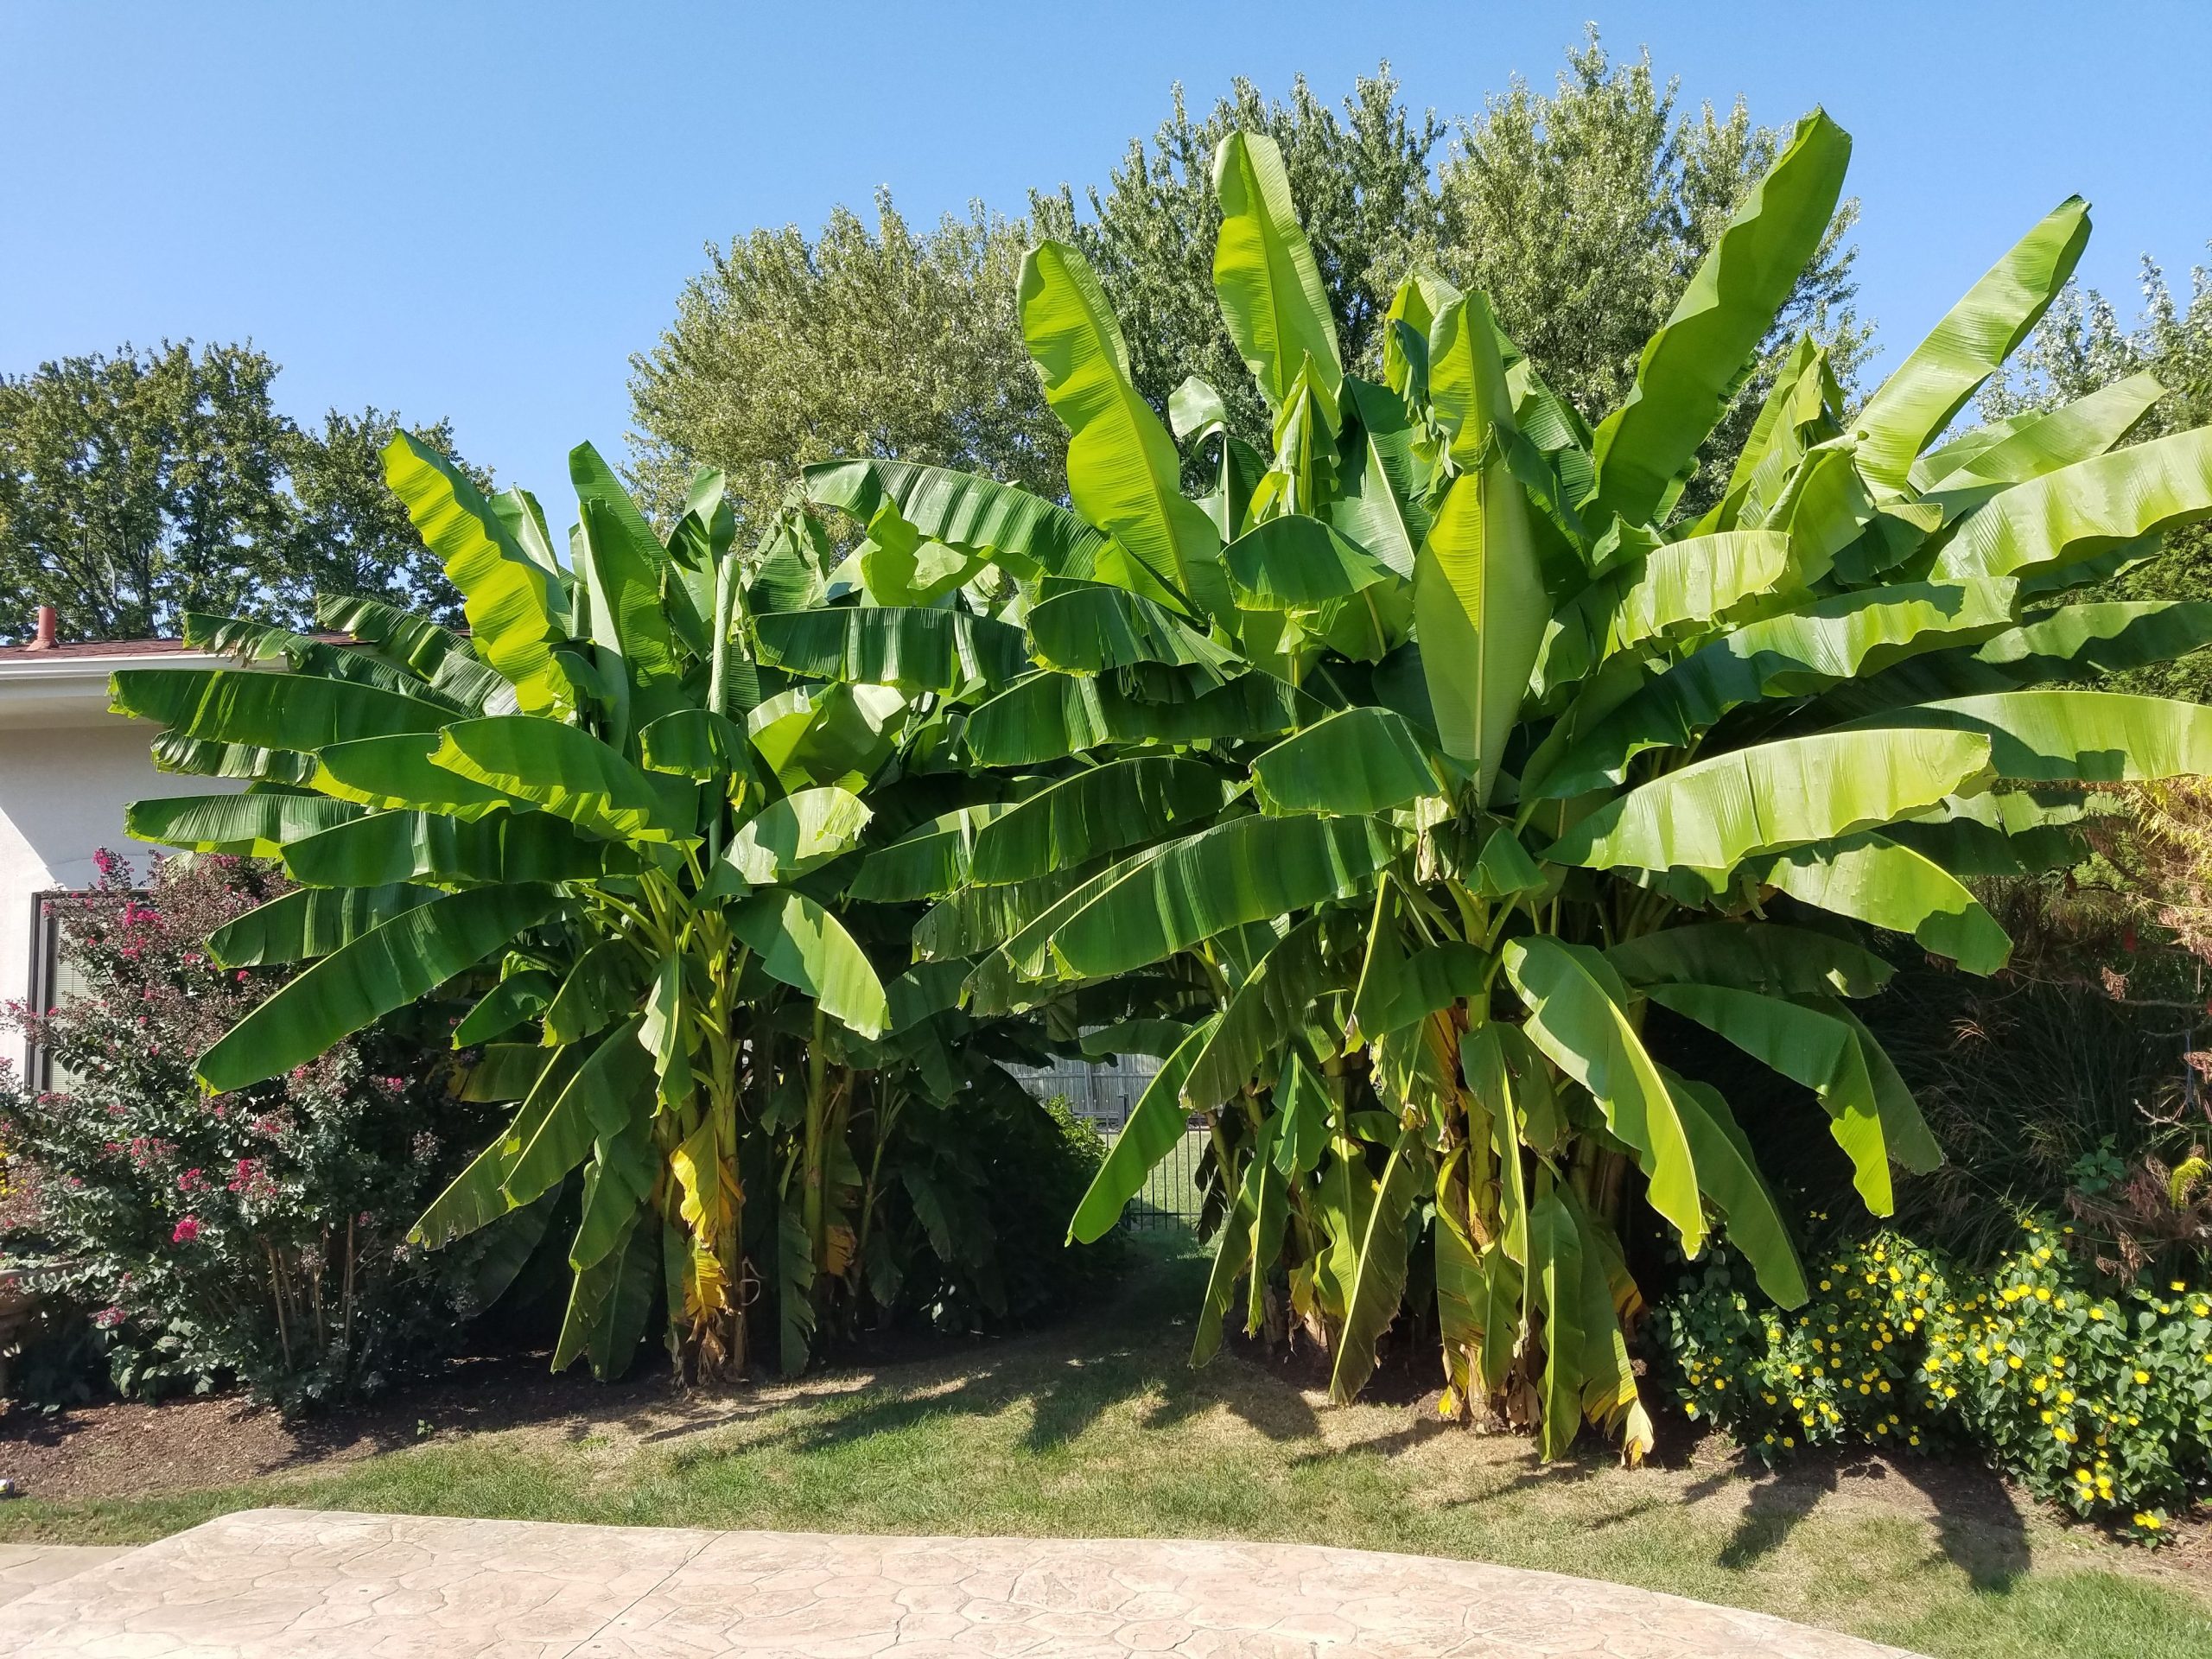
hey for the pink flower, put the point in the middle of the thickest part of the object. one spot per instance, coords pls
(186, 1230)
(108, 1318)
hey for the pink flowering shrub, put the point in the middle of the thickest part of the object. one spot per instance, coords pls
(255, 1238)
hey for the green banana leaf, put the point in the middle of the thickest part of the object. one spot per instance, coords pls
(1099, 810)
(432, 847)
(310, 922)
(1576, 1018)
(927, 862)
(1696, 580)
(802, 832)
(1802, 651)
(518, 997)
(1358, 760)
(1294, 562)
(1872, 879)
(1245, 870)
(1480, 608)
(1975, 336)
(608, 1088)
(252, 826)
(608, 1305)
(1123, 472)
(385, 969)
(2093, 507)
(802, 945)
(1692, 366)
(570, 773)
(1277, 999)
(1751, 957)
(1379, 503)
(274, 711)
(916, 648)
(1269, 289)
(1051, 716)
(2085, 428)
(514, 607)
(2060, 735)
(398, 772)
(1379, 1284)
(1728, 1173)
(1033, 535)
(1713, 813)
(477, 1196)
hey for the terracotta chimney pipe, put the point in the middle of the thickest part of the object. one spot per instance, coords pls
(45, 620)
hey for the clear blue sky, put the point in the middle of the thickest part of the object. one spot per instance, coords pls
(482, 211)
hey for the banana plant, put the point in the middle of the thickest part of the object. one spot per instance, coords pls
(624, 812)
(1383, 789)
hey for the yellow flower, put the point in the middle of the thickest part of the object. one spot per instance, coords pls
(1788, 1441)
(2042, 1293)
(2176, 1285)
(2013, 1360)
(2066, 1396)
(2096, 1312)
(2141, 1377)
(2147, 1521)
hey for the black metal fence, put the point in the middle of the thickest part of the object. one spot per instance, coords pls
(1171, 1196)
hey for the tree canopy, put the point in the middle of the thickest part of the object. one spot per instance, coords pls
(139, 486)
(1583, 212)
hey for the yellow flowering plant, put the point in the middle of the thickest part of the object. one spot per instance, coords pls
(2100, 1401)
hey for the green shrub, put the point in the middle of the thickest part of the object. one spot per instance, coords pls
(254, 1237)
(2100, 1400)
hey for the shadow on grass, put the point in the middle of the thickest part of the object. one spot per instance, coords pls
(1978, 1524)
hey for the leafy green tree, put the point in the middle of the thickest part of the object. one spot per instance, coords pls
(788, 350)
(2083, 347)
(1583, 212)
(138, 487)
(1582, 215)
(1385, 790)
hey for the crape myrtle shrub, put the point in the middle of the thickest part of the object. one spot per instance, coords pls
(256, 1237)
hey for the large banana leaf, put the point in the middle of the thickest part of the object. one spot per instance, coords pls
(1264, 275)
(514, 607)
(802, 832)
(571, 774)
(603, 500)
(608, 1305)
(378, 971)
(1576, 1018)
(798, 942)
(1358, 760)
(1379, 502)
(1713, 813)
(1479, 605)
(398, 771)
(2077, 431)
(1033, 535)
(1787, 656)
(1277, 1000)
(1728, 1173)
(1088, 630)
(1872, 879)
(1294, 562)
(310, 922)
(477, 1195)
(2092, 507)
(1379, 1284)
(1977, 335)
(389, 846)
(275, 711)
(2057, 735)
(1123, 472)
(926, 863)
(1246, 870)
(1752, 957)
(252, 826)
(916, 648)
(1808, 1046)
(1696, 580)
(1099, 810)
(1049, 716)
(1693, 365)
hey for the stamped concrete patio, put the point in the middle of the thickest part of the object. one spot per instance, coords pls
(269, 1582)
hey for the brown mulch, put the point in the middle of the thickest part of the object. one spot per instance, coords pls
(131, 1449)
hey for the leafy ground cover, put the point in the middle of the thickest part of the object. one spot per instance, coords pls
(1102, 1429)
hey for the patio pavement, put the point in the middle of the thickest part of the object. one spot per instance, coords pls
(267, 1582)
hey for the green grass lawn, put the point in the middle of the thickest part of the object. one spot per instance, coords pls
(1100, 1428)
